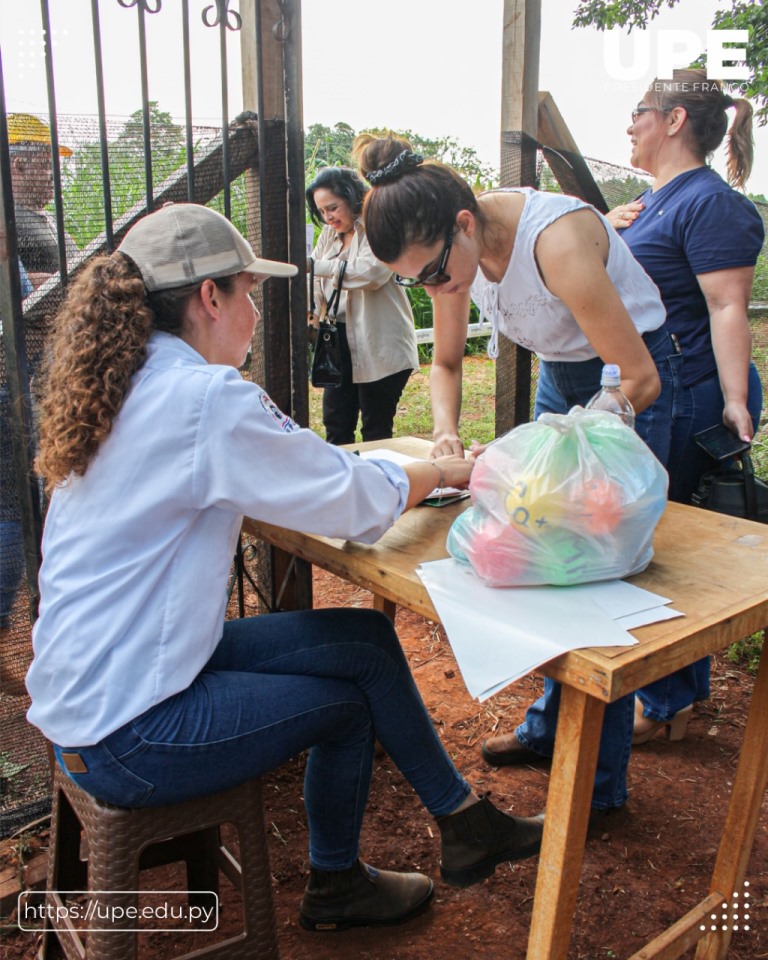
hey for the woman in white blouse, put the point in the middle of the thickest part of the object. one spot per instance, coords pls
(376, 332)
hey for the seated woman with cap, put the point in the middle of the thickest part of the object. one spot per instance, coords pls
(154, 447)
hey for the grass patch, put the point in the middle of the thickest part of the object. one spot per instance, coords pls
(746, 653)
(414, 412)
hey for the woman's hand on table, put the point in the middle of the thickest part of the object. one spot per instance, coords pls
(445, 445)
(453, 470)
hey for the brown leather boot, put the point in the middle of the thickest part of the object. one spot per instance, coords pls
(362, 896)
(506, 750)
(479, 837)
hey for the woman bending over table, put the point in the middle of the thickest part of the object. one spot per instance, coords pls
(551, 274)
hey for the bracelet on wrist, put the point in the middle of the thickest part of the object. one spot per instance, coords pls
(441, 482)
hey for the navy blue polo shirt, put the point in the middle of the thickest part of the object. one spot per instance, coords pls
(694, 224)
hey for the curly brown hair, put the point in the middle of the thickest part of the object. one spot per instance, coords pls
(99, 342)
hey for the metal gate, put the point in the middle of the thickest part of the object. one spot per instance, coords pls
(72, 183)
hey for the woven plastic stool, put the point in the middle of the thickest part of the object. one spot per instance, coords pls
(119, 843)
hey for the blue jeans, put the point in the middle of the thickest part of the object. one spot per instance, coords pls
(561, 386)
(331, 681)
(696, 408)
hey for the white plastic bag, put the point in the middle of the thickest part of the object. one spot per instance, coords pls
(568, 499)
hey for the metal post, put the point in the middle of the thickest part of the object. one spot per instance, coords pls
(17, 373)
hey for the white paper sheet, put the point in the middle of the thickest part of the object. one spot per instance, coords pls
(498, 634)
(648, 616)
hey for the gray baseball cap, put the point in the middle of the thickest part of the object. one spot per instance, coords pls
(182, 243)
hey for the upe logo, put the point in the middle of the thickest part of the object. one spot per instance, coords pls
(629, 57)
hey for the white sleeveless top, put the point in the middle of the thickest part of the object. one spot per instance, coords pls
(523, 309)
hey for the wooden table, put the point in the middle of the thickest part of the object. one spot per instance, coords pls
(715, 570)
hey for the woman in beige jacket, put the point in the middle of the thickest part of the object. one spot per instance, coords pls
(376, 331)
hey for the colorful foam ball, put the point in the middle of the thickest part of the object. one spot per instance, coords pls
(498, 553)
(599, 506)
(459, 533)
(531, 507)
(564, 559)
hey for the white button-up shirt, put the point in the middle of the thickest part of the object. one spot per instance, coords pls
(137, 552)
(380, 330)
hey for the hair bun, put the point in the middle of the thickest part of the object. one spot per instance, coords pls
(395, 169)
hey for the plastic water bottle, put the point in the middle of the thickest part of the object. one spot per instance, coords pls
(610, 397)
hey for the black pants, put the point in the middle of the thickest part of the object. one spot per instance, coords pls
(376, 402)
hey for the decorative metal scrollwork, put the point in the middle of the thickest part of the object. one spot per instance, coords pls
(232, 19)
(145, 5)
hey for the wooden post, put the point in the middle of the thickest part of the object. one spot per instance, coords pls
(271, 74)
(743, 817)
(519, 109)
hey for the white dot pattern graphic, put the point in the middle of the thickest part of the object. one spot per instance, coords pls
(734, 915)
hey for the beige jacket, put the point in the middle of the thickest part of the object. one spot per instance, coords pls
(380, 331)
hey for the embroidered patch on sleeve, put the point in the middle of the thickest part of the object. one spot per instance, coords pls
(284, 422)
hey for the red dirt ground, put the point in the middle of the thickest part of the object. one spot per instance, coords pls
(643, 867)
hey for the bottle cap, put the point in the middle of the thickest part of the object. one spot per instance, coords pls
(611, 376)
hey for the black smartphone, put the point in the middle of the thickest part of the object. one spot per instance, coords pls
(721, 443)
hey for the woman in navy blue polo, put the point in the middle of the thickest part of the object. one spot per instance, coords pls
(698, 239)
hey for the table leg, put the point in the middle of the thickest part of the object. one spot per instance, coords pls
(741, 822)
(569, 802)
(385, 606)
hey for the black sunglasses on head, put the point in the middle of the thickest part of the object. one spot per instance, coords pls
(438, 276)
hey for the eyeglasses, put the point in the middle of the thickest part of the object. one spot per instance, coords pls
(438, 276)
(639, 111)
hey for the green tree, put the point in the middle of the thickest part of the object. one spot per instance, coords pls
(328, 146)
(547, 181)
(479, 175)
(749, 15)
(618, 190)
(166, 136)
(332, 146)
(82, 196)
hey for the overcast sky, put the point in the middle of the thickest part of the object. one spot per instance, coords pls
(429, 65)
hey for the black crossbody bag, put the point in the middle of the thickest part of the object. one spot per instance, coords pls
(325, 369)
(733, 490)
